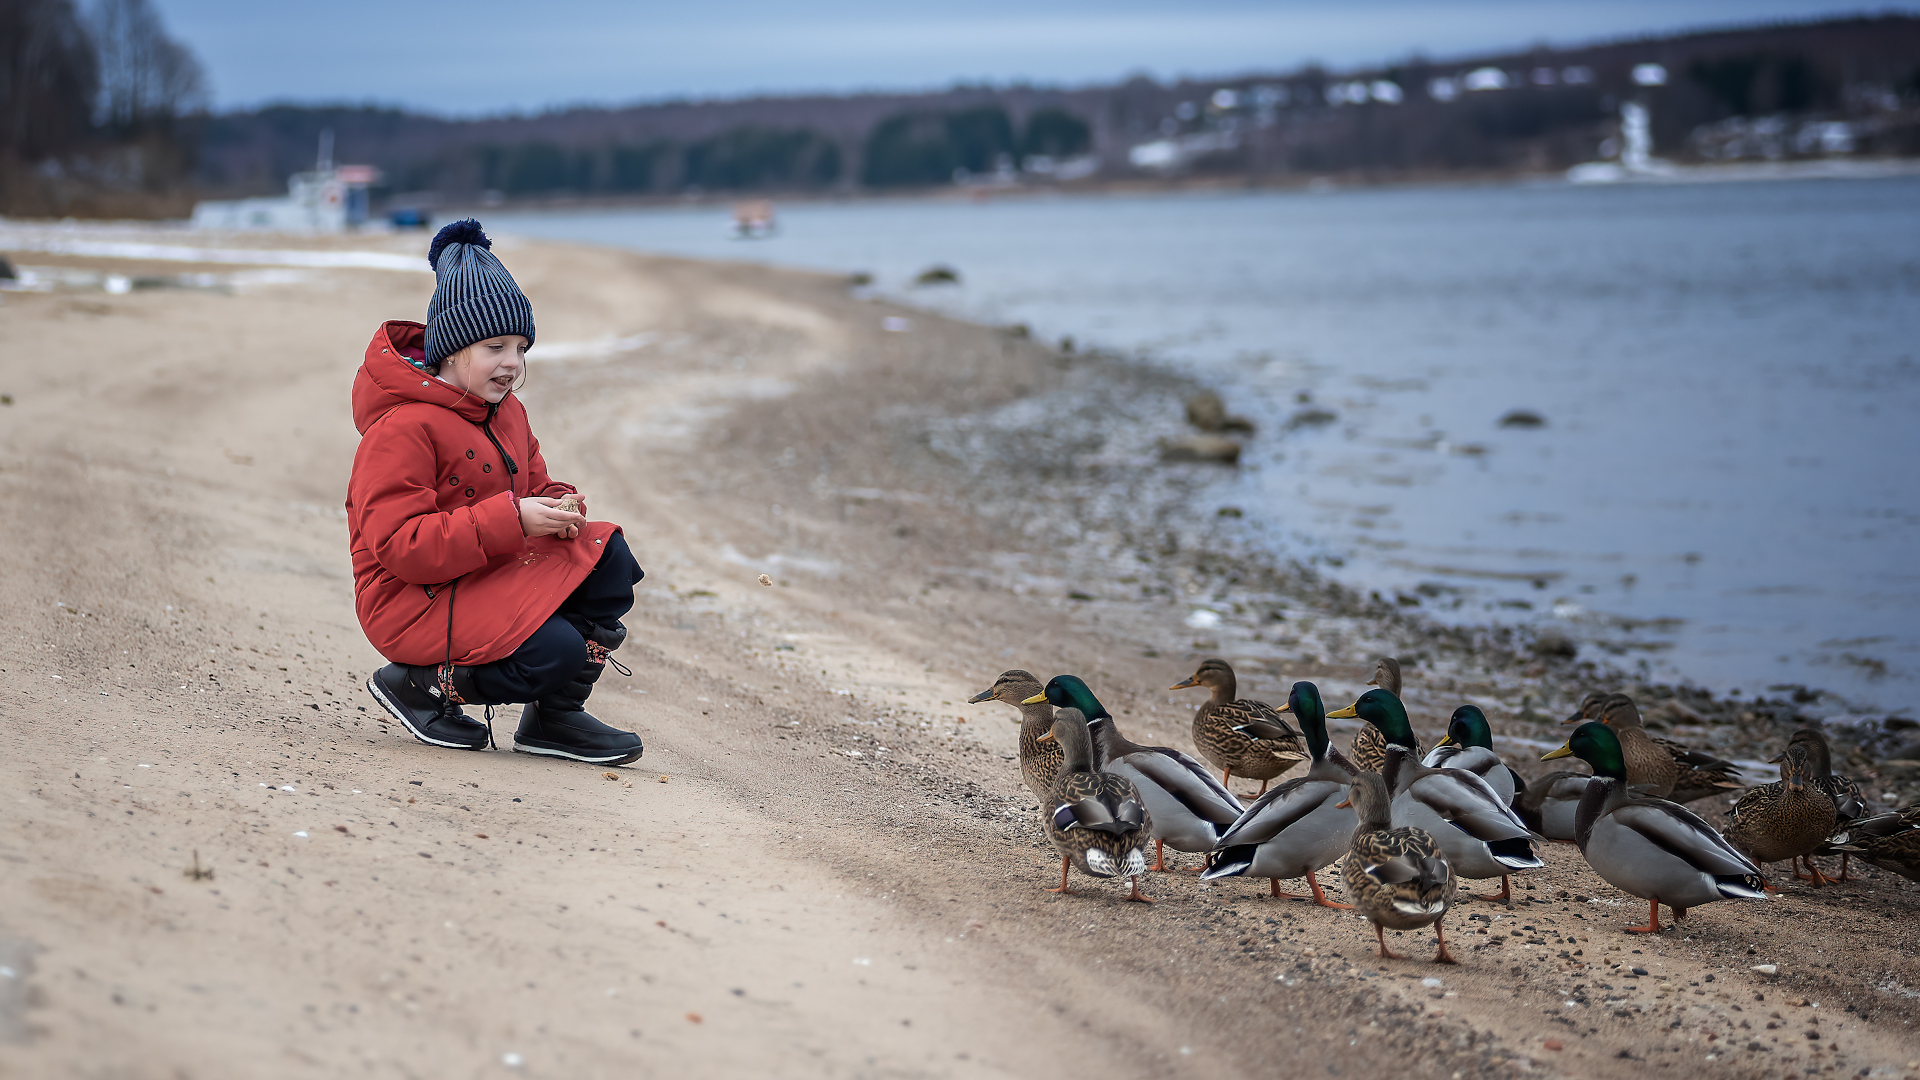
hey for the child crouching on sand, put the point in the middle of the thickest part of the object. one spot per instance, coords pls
(468, 572)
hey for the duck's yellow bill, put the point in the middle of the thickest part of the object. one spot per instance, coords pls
(1035, 699)
(1347, 713)
(1188, 685)
(1445, 740)
(1343, 805)
(1048, 737)
(1565, 751)
(1285, 706)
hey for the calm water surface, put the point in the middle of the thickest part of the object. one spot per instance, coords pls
(1729, 376)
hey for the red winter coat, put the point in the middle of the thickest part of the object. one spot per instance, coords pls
(432, 510)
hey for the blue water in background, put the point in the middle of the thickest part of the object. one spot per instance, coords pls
(1729, 374)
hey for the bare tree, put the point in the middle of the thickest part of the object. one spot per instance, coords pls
(48, 79)
(147, 79)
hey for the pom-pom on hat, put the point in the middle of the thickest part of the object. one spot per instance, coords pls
(474, 298)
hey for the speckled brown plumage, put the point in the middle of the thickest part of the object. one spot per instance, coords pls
(1236, 752)
(1695, 774)
(1039, 761)
(1786, 819)
(1397, 878)
(1369, 746)
(1095, 820)
(1651, 770)
(1889, 841)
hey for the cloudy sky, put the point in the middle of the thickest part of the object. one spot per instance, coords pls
(467, 57)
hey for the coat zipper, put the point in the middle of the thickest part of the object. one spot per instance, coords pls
(487, 426)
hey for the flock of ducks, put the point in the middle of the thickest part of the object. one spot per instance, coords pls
(1410, 825)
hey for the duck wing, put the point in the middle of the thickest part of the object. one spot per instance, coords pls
(1272, 813)
(1257, 720)
(1407, 864)
(1686, 836)
(1101, 803)
(1187, 781)
(1470, 804)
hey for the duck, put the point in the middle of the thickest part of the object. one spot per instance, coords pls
(1039, 761)
(1468, 744)
(1696, 774)
(1788, 819)
(1480, 834)
(1651, 770)
(1217, 730)
(1651, 848)
(1890, 841)
(1369, 746)
(1848, 802)
(1550, 802)
(1188, 808)
(1298, 827)
(1095, 820)
(1397, 877)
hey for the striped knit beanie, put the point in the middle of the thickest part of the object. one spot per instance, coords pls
(474, 298)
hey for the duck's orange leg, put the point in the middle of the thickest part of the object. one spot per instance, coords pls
(1653, 918)
(1159, 857)
(1506, 893)
(1064, 863)
(1381, 935)
(1137, 896)
(1274, 884)
(1443, 956)
(1321, 898)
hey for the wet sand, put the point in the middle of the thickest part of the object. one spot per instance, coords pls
(825, 864)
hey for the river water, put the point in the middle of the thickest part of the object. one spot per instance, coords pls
(1724, 485)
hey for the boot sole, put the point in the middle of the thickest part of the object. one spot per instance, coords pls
(573, 755)
(394, 710)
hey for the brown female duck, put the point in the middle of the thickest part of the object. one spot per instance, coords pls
(1787, 819)
(1696, 774)
(1039, 760)
(1369, 746)
(1219, 735)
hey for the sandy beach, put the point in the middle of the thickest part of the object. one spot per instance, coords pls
(220, 860)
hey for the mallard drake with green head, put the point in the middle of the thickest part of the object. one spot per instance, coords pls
(1298, 827)
(1369, 746)
(1217, 729)
(1397, 877)
(1039, 761)
(1889, 841)
(1651, 848)
(1787, 819)
(1189, 809)
(1095, 820)
(1468, 744)
(1848, 802)
(1479, 833)
(1696, 774)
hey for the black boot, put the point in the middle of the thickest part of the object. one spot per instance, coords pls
(559, 725)
(416, 697)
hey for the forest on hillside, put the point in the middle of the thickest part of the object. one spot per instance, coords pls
(103, 112)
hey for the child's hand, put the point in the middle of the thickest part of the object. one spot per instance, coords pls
(542, 517)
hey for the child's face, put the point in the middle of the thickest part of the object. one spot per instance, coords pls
(487, 369)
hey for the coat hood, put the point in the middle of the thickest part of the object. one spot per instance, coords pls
(387, 380)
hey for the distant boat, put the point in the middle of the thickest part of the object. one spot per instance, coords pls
(753, 220)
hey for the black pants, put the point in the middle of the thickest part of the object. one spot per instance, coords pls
(556, 652)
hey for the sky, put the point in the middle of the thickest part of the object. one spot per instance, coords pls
(475, 57)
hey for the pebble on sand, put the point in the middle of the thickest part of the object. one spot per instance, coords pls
(1212, 449)
(765, 580)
